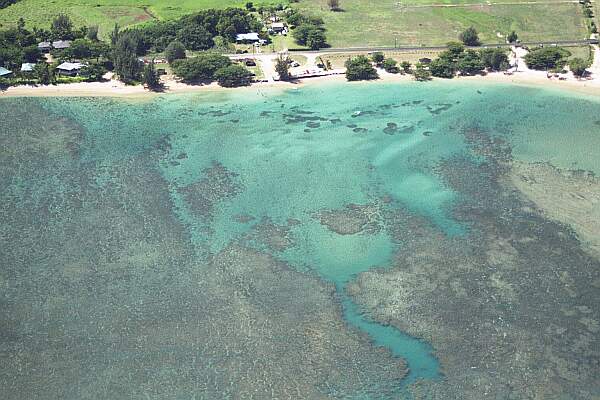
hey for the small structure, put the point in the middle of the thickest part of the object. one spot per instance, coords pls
(278, 27)
(4, 73)
(27, 67)
(251, 37)
(425, 60)
(44, 47)
(61, 44)
(70, 68)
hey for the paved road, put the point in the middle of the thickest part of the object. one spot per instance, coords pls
(310, 53)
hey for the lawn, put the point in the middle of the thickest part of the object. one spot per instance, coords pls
(382, 23)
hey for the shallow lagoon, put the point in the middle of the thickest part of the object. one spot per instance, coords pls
(137, 200)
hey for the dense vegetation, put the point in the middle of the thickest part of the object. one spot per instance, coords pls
(6, 3)
(360, 68)
(546, 58)
(308, 31)
(198, 31)
(468, 62)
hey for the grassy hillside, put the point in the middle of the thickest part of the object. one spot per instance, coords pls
(362, 22)
(378, 23)
(105, 13)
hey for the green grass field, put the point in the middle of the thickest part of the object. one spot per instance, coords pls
(381, 23)
(362, 23)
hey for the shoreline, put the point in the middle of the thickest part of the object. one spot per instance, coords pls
(114, 88)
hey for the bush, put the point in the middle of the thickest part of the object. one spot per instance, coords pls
(512, 37)
(360, 68)
(546, 58)
(420, 73)
(390, 65)
(378, 58)
(233, 76)
(174, 51)
(405, 65)
(578, 66)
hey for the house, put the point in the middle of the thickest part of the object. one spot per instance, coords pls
(278, 27)
(250, 37)
(44, 47)
(27, 67)
(70, 68)
(61, 44)
(4, 73)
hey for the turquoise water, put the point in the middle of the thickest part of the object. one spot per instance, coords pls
(233, 161)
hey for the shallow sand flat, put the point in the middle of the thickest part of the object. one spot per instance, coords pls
(569, 197)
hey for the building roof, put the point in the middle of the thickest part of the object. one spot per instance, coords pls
(4, 71)
(69, 66)
(27, 67)
(44, 45)
(61, 44)
(278, 25)
(252, 36)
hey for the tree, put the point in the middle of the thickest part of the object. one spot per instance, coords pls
(578, 67)
(420, 73)
(512, 37)
(442, 67)
(455, 50)
(310, 35)
(405, 65)
(80, 48)
(150, 77)
(546, 58)
(43, 73)
(92, 33)
(127, 65)
(334, 5)
(114, 35)
(469, 37)
(31, 54)
(316, 39)
(62, 27)
(195, 37)
(175, 51)
(378, 58)
(93, 72)
(200, 68)
(282, 67)
(470, 63)
(390, 65)
(494, 59)
(250, 6)
(233, 76)
(360, 68)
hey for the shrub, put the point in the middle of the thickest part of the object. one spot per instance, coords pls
(390, 65)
